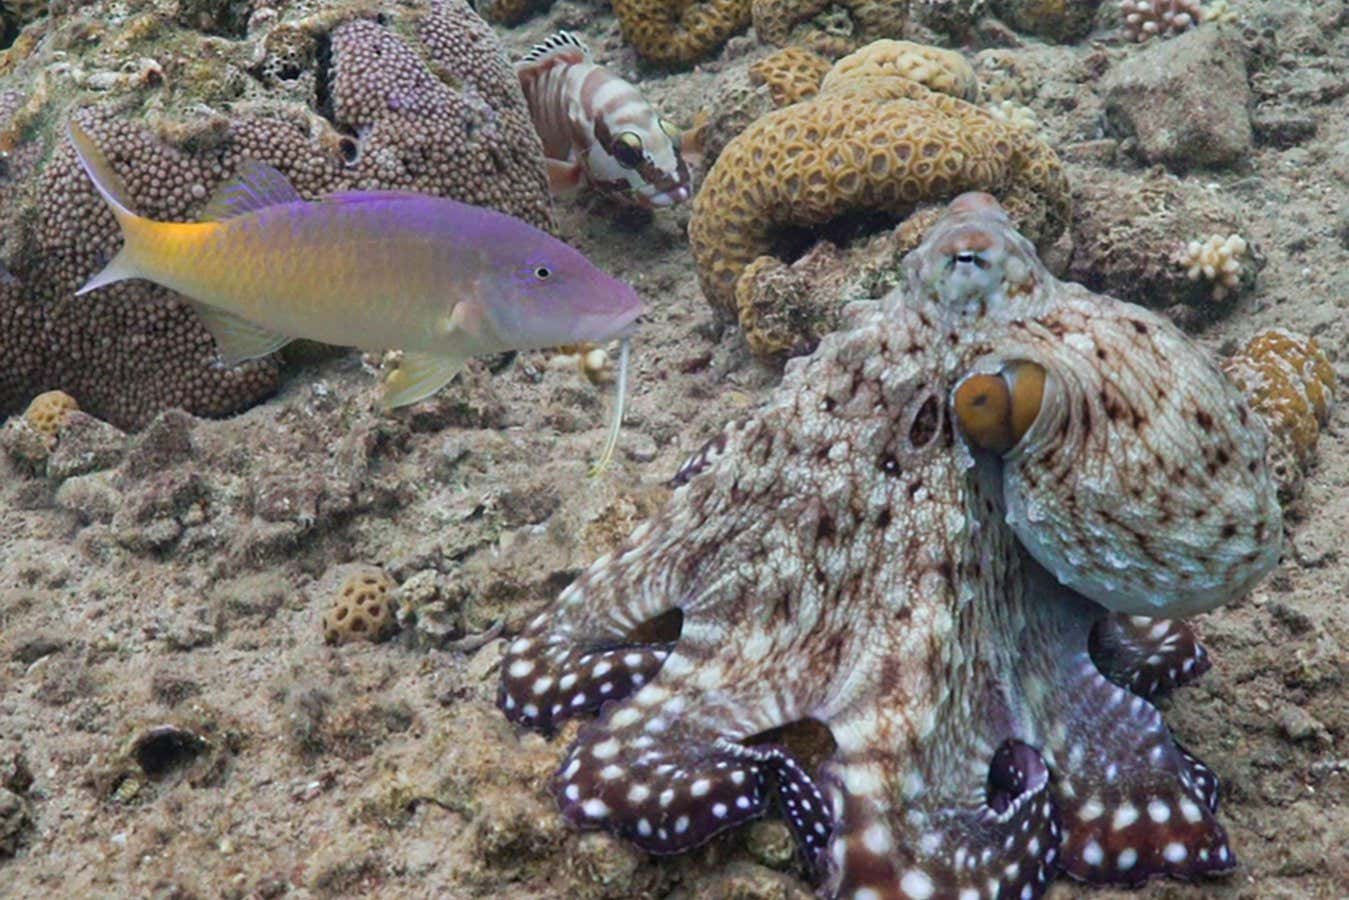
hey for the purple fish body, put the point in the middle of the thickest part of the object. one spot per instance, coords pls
(440, 280)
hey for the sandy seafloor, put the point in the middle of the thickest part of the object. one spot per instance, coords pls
(385, 770)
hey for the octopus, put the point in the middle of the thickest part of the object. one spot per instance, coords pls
(960, 536)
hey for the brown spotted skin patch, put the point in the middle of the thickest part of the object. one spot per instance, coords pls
(946, 611)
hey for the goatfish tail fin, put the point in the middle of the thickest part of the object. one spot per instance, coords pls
(136, 229)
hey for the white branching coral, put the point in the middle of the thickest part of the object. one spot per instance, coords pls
(1147, 18)
(1217, 259)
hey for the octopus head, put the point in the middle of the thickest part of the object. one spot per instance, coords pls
(973, 261)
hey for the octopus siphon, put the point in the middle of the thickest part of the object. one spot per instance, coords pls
(958, 536)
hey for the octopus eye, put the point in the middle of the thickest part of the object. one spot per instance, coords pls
(628, 150)
(994, 412)
(969, 257)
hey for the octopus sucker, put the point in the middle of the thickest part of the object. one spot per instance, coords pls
(977, 595)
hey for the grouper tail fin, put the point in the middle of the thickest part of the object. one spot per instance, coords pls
(135, 228)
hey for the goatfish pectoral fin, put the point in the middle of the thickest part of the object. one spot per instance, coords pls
(238, 339)
(419, 376)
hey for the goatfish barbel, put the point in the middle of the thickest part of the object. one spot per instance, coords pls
(440, 280)
(597, 129)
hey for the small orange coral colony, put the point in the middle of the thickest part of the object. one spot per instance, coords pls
(1290, 383)
(363, 610)
(49, 411)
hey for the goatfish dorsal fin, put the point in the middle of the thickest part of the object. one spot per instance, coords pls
(419, 376)
(562, 47)
(238, 339)
(254, 186)
(370, 196)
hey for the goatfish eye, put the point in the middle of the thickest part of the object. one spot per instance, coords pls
(628, 150)
(543, 273)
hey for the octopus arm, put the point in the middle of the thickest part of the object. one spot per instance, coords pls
(988, 830)
(665, 768)
(1132, 802)
(1149, 657)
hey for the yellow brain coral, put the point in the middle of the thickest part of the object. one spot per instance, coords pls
(679, 32)
(867, 144)
(944, 71)
(363, 610)
(831, 27)
(1290, 383)
(49, 411)
(791, 75)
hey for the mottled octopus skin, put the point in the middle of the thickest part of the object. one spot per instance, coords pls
(844, 556)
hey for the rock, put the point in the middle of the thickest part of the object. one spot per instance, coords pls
(86, 445)
(1186, 100)
(91, 498)
(1298, 725)
(1129, 233)
(15, 821)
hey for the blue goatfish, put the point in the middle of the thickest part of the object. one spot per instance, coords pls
(440, 280)
(598, 129)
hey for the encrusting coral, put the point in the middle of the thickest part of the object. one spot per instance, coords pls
(363, 610)
(867, 144)
(133, 349)
(944, 71)
(1290, 383)
(679, 32)
(791, 74)
(1217, 259)
(1144, 19)
(830, 27)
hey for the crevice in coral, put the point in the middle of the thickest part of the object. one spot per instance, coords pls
(323, 75)
(793, 242)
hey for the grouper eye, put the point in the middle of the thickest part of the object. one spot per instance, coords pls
(628, 150)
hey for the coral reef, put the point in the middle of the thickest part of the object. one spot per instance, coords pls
(791, 74)
(844, 556)
(829, 27)
(680, 32)
(1216, 260)
(363, 610)
(49, 412)
(343, 122)
(878, 145)
(1290, 383)
(1144, 19)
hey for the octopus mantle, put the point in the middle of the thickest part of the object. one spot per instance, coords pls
(980, 627)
